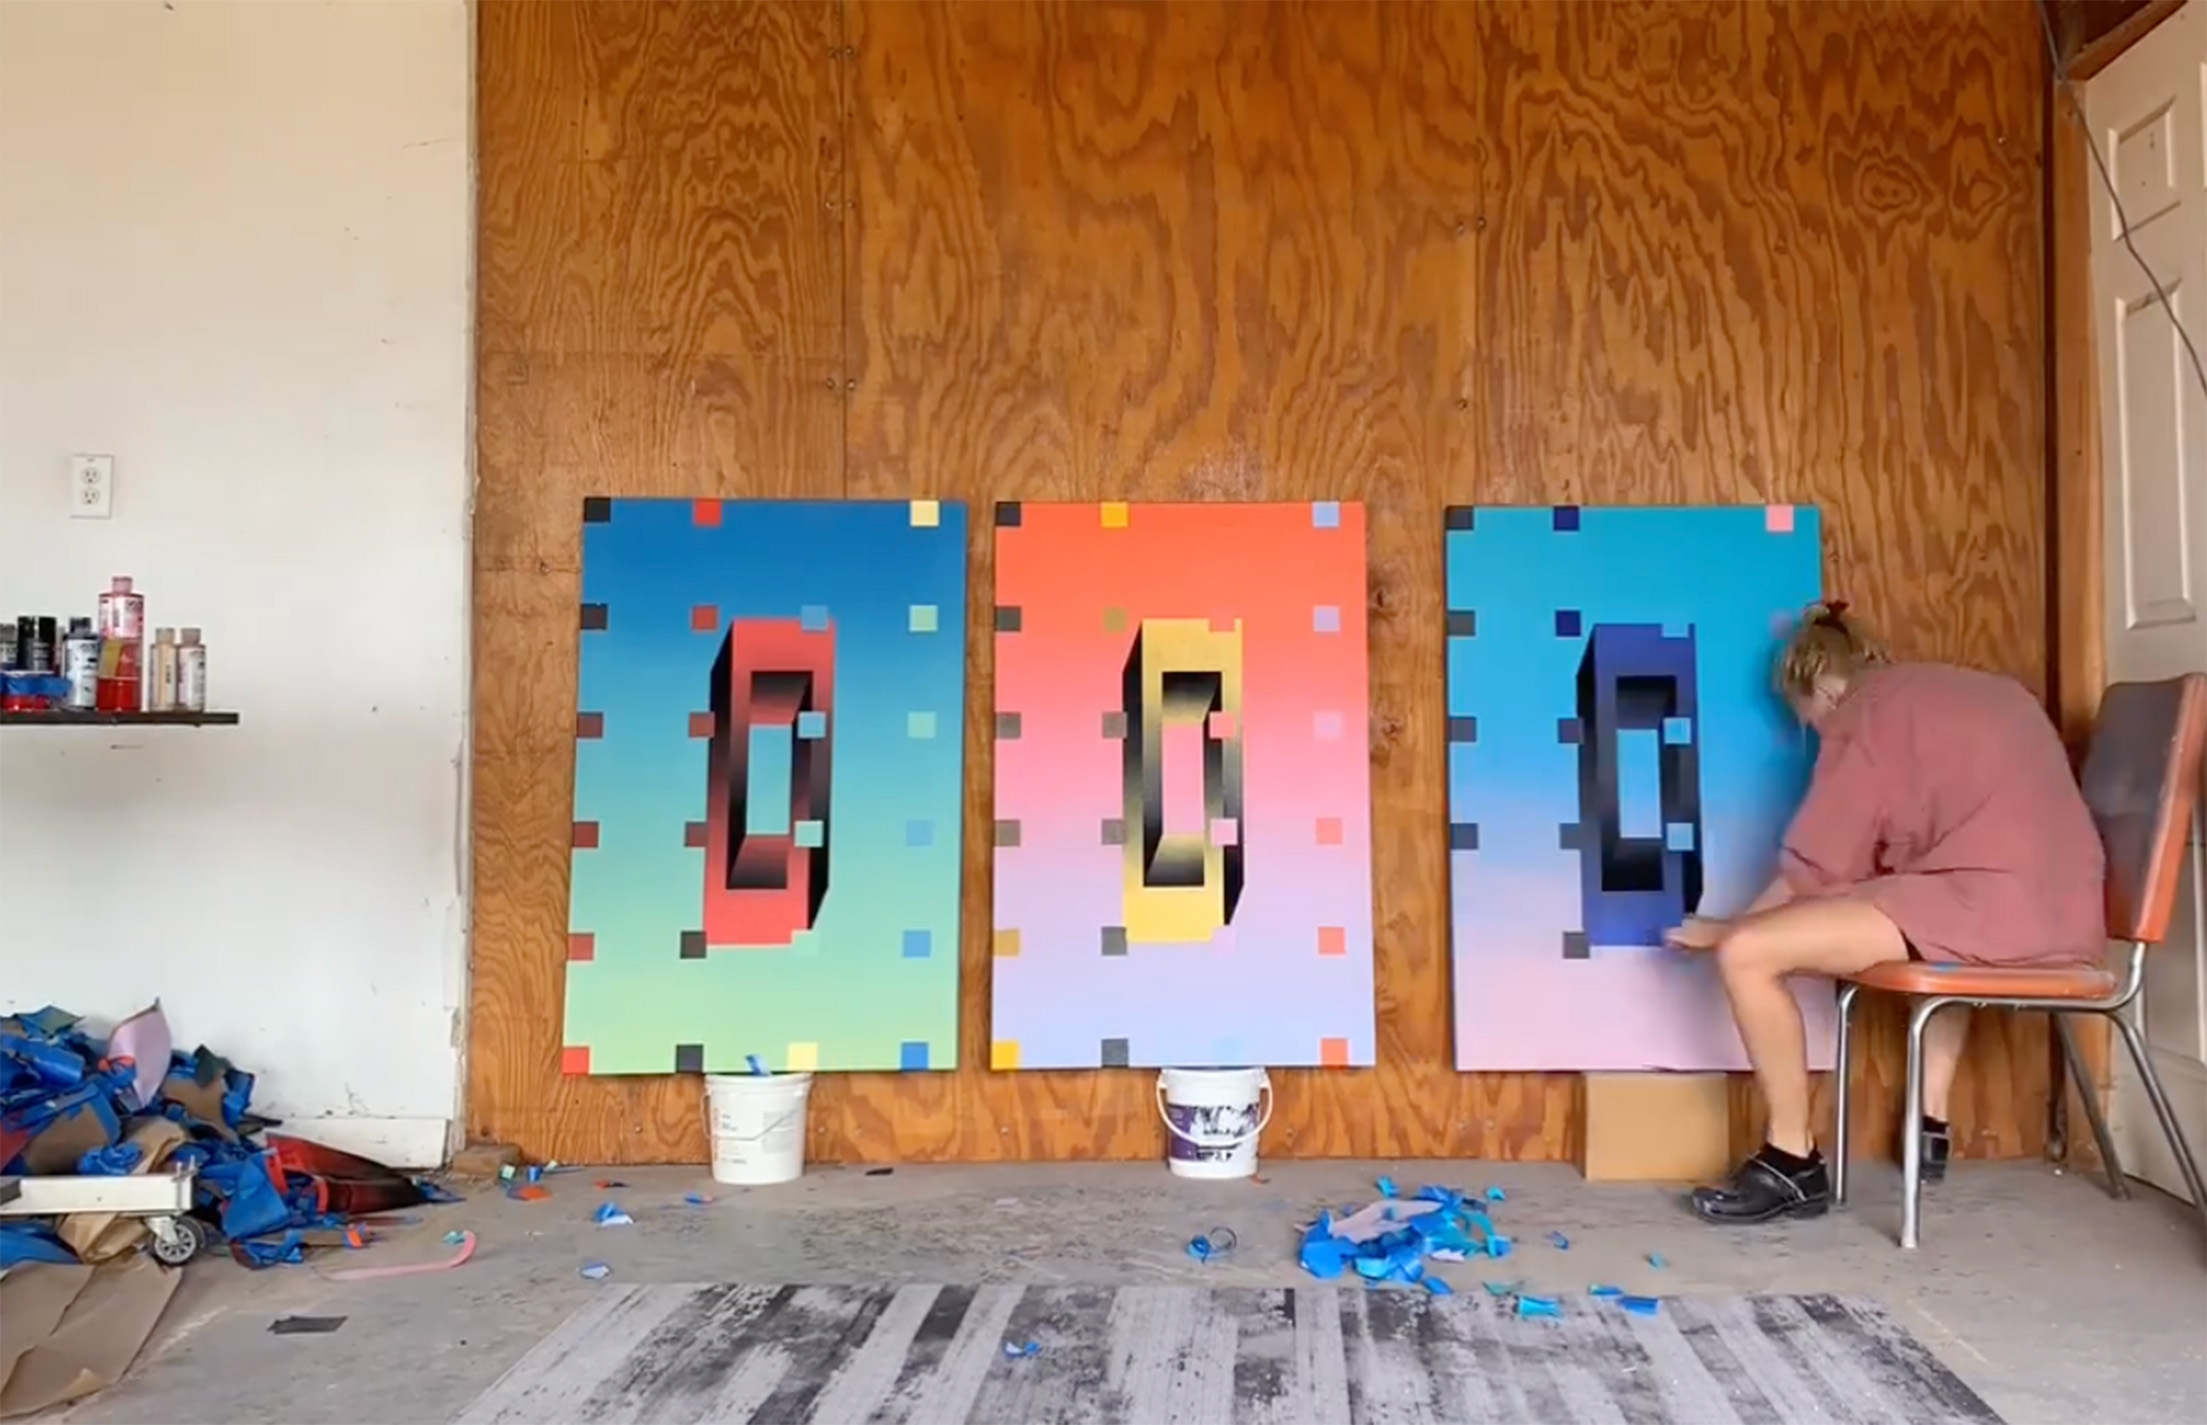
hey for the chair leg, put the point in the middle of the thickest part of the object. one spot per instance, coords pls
(1843, 1080)
(2185, 1162)
(1911, 1138)
(2118, 1185)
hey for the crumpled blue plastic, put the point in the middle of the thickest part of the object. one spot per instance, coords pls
(1400, 1255)
(22, 1240)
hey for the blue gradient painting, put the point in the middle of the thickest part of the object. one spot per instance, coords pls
(769, 766)
(1618, 758)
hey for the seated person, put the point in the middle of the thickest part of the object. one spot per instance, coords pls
(1942, 824)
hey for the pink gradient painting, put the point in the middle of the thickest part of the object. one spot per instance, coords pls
(1183, 800)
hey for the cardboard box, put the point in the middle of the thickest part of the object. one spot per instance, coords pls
(1656, 1128)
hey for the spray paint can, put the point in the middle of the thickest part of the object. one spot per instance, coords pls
(35, 636)
(80, 664)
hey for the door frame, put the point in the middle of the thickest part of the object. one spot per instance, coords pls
(2076, 571)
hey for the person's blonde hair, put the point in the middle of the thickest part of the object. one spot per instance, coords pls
(1828, 643)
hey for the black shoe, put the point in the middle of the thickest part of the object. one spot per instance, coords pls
(1938, 1146)
(1770, 1185)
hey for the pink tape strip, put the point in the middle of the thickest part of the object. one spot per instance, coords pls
(361, 1274)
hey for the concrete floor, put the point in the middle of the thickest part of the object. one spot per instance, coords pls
(2053, 1301)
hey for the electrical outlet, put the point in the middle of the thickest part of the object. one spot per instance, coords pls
(91, 487)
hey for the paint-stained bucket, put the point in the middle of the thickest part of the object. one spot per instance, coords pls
(1213, 1118)
(758, 1126)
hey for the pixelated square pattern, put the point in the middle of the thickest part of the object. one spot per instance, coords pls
(1278, 587)
(1608, 640)
(855, 971)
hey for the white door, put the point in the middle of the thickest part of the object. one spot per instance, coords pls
(2146, 120)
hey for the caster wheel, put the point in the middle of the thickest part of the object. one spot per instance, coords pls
(182, 1243)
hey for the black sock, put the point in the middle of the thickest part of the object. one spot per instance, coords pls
(1789, 1163)
(1934, 1125)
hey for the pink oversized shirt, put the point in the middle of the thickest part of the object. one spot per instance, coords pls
(1943, 797)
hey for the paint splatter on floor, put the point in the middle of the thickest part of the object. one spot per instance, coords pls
(1188, 1356)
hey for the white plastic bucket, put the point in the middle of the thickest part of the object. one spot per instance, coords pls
(1213, 1117)
(758, 1126)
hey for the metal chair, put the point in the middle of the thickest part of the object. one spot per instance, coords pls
(2141, 778)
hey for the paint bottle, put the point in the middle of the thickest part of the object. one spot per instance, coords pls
(122, 647)
(191, 673)
(34, 643)
(80, 664)
(161, 686)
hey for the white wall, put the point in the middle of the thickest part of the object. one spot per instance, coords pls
(235, 254)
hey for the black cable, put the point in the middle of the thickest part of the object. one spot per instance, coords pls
(2107, 182)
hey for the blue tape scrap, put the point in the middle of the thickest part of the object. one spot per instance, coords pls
(758, 1065)
(1560, 1242)
(1215, 1243)
(1641, 1305)
(1543, 1306)
(609, 1214)
(1605, 1292)
(595, 1271)
(1655, 1260)
(1445, 1227)
(1495, 1194)
(1018, 1350)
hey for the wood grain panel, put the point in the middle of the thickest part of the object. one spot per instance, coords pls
(1405, 253)
(661, 313)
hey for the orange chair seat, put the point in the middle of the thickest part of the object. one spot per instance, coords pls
(1917, 977)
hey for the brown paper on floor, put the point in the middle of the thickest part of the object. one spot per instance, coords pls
(66, 1332)
(99, 1236)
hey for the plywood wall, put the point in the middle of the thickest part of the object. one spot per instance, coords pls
(1405, 253)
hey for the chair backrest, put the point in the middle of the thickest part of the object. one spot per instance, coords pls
(2141, 779)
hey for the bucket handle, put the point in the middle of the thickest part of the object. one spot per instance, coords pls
(1264, 1096)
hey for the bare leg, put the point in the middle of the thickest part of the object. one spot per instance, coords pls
(1943, 1038)
(1827, 936)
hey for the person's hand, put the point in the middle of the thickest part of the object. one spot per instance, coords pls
(1699, 932)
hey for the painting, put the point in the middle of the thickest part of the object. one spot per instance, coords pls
(1618, 758)
(769, 754)
(1183, 793)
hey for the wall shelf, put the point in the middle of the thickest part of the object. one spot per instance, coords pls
(75, 717)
